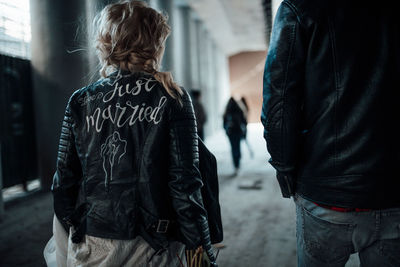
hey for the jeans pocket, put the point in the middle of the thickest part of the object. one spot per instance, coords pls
(326, 241)
(390, 250)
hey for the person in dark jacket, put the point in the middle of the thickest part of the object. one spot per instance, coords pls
(201, 116)
(235, 123)
(127, 184)
(329, 112)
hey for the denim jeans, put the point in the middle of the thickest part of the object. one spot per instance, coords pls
(328, 238)
(235, 139)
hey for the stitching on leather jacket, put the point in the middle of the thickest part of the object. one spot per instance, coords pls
(335, 60)
(284, 87)
(294, 9)
(337, 83)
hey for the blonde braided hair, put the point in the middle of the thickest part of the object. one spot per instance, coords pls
(131, 36)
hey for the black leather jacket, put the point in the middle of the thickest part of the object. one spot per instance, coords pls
(331, 92)
(128, 164)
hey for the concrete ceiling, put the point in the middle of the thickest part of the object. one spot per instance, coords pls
(236, 25)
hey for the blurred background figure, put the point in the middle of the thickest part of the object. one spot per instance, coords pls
(235, 125)
(245, 107)
(201, 116)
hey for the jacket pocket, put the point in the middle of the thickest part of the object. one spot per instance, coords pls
(286, 184)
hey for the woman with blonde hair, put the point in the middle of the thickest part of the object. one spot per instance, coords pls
(127, 184)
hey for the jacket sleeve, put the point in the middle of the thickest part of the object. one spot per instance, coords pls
(185, 180)
(68, 173)
(282, 95)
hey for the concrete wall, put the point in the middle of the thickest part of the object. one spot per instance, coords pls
(1, 187)
(246, 78)
(56, 71)
(246, 75)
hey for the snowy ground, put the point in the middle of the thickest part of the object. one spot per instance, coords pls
(259, 225)
(25, 230)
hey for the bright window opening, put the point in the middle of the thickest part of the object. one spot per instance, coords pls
(15, 28)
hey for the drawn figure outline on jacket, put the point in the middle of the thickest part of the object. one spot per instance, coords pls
(113, 147)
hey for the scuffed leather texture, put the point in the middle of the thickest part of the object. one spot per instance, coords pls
(128, 158)
(330, 101)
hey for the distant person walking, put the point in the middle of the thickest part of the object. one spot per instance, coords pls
(330, 108)
(201, 116)
(235, 125)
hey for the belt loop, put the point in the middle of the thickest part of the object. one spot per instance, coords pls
(162, 226)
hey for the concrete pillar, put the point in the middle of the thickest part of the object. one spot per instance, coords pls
(186, 51)
(1, 188)
(217, 122)
(93, 8)
(194, 51)
(223, 89)
(167, 6)
(205, 76)
(211, 77)
(56, 71)
(200, 31)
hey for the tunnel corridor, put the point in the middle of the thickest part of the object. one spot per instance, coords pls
(259, 225)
